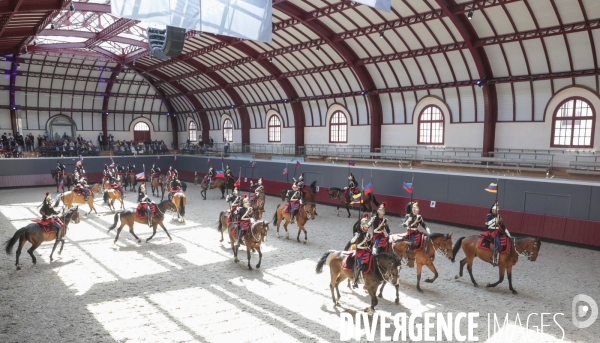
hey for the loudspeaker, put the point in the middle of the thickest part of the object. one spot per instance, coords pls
(175, 41)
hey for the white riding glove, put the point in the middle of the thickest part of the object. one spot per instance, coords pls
(428, 232)
(507, 233)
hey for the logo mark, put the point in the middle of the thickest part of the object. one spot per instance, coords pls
(581, 310)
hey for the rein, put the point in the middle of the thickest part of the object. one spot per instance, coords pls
(439, 251)
(384, 276)
(259, 235)
(525, 252)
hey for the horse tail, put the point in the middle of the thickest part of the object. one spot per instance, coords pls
(182, 203)
(57, 201)
(114, 225)
(456, 248)
(374, 200)
(322, 261)
(106, 197)
(184, 186)
(219, 224)
(274, 220)
(15, 238)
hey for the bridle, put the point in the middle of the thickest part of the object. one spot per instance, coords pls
(405, 255)
(387, 276)
(260, 235)
(311, 205)
(525, 252)
(439, 251)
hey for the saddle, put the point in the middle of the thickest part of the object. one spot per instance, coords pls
(290, 207)
(114, 187)
(487, 238)
(354, 191)
(141, 210)
(155, 175)
(351, 260)
(244, 225)
(48, 224)
(418, 239)
(176, 190)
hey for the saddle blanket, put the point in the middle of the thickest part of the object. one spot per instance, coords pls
(245, 225)
(354, 191)
(350, 260)
(47, 224)
(155, 175)
(114, 186)
(78, 190)
(141, 210)
(289, 207)
(176, 190)
(487, 238)
(417, 240)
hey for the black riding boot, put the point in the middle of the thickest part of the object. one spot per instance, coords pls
(239, 237)
(149, 214)
(356, 274)
(494, 260)
(85, 196)
(293, 217)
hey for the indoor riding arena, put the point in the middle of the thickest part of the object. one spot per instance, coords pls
(357, 171)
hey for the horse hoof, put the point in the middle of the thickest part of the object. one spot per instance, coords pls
(457, 276)
(336, 304)
(304, 242)
(51, 259)
(397, 301)
(476, 285)
(489, 285)
(249, 268)
(349, 216)
(420, 290)
(139, 241)
(514, 292)
(221, 241)
(258, 266)
(429, 280)
(380, 295)
(18, 267)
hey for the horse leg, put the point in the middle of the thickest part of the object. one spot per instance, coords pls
(432, 268)
(299, 231)
(30, 251)
(348, 209)
(509, 274)
(133, 233)
(397, 301)
(501, 268)
(460, 269)
(470, 269)
(53, 248)
(259, 257)
(381, 290)
(22, 242)
(419, 269)
(122, 204)
(235, 259)
(338, 210)
(287, 234)
(62, 244)
(153, 232)
(203, 193)
(339, 280)
(248, 254)
(374, 301)
(165, 229)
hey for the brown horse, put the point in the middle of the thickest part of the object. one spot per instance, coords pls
(216, 183)
(69, 198)
(179, 200)
(252, 240)
(434, 244)
(35, 234)
(129, 181)
(259, 205)
(527, 247)
(308, 196)
(128, 217)
(158, 182)
(197, 180)
(386, 267)
(222, 223)
(110, 195)
(337, 193)
(407, 255)
(65, 178)
(307, 211)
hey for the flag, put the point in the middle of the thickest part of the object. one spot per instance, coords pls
(175, 159)
(492, 188)
(285, 171)
(60, 185)
(298, 165)
(80, 157)
(350, 162)
(112, 165)
(356, 199)
(140, 176)
(368, 189)
(253, 163)
(222, 159)
(79, 163)
(157, 157)
(208, 160)
(407, 187)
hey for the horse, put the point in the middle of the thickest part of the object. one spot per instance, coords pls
(252, 240)
(158, 182)
(128, 217)
(386, 267)
(308, 196)
(110, 195)
(307, 211)
(197, 180)
(259, 205)
(179, 200)
(337, 193)
(36, 235)
(433, 244)
(167, 186)
(67, 181)
(130, 181)
(407, 255)
(216, 183)
(528, 247)
(69, 198)
(107, 185)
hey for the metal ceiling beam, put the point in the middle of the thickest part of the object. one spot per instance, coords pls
(6, 7)
(31, 90)
(64, 110)
(6, 18)
(85, 34)
(114, 29)
(47, 20)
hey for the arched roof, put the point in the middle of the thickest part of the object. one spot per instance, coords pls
(377, 64)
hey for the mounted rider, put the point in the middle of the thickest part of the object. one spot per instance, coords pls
(352, 184)
(362, 239)
(295, 201)
(228, 174)
(129, 167)
(81, 185)
(79, 168)
(112, 179)
(210, 175)
(245, 214)
(412, 223)
(235, 201)
(60, 170)
(300, 184)
(143, 198)
(76, 175)
(154, 171)
(107, 173)
(495, 225)
(47, 209)
(170, 172)
(175, 186)
(259, 186)
(381, 230)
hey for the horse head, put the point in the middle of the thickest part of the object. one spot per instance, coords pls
(311, 209)
(73, 214)
(389, 266)
(444, 244)
(531, 248)
(333, 193)
(263, 228)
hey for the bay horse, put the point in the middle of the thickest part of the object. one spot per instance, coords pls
(222, 222)
(128, 217)
(338, 193)
(130, 181)
(308, 196)
(158, 182)
(386, 267)
(216, 183)
(69, 198)
(252, 240)
(179, 200)
(67, 181)
(433, 244)
(36, 235)
(259, 205)
(527, 247)
(307, 211)
(110, 195)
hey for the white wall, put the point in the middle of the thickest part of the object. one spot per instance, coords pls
(261, 136)
(536, 135)
(357, 135)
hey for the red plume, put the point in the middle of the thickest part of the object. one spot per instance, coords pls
(384, 204)
(245, 196)
(366, 215)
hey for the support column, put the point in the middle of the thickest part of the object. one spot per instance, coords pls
(13, 107)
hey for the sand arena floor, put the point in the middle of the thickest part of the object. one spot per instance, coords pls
(190, 290)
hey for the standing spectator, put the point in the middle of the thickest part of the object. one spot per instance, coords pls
(79, 138)
(226, 146)
(46, 135)
(28, 142)
(40, 140)
(101, 141)
(211, 142)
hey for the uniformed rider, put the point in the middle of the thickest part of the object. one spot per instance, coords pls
(143, 198)
(228, 174)
(235, 201)
(381, 229)
(259, 186)
(81, 183)
(413, 221)
(352, 184)
(210, 175)
(245, 215)
(154, 171)
(300, 184)
(60, 170)
(362, 239)
(47, 209)
(295, 201)
(495, 225)
(175, 186)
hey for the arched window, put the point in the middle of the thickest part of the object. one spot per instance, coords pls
(274, 129)
(573, 124)
(338, 128)
(141, 132)
(228, 130)
(431, 126)
(192, 131)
